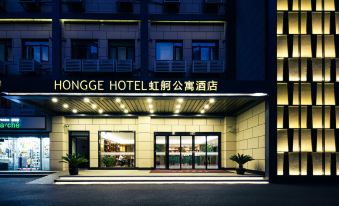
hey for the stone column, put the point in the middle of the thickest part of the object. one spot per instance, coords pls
(144, 143)
(58, 143)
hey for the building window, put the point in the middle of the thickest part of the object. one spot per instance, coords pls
(121, 49)
(117, 149)
(36, 49)
(24, 153)
(84, 49)
(169, 51)
(205, 50)
(5, 50)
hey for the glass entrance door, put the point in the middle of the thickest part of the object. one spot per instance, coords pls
(79, 145)
(185, 151)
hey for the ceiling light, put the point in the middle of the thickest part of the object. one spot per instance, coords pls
(150, 106)
(180, 100)
(94, 106)
(118, 100)
(86, 100)
(202, 111)
(101, 111)
(75, 111)
(55, 100)
(149, 100)
(178, 106)
(212, 100)
(177, 111)
(206, 106)
(151, 111)
(65, 106)
(122, 106)
(126, 111)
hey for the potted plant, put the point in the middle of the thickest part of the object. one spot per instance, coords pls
(73, 162)
(241, 159)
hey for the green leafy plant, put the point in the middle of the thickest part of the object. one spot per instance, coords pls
(73, 161)
(241, 159)
(108, 161)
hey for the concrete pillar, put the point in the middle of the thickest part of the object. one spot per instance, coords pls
(58, 143)
(229, 146)
(144, 143)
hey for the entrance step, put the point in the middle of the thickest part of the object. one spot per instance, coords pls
(161, 180)
(25, 173)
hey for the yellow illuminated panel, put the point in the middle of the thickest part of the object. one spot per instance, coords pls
(280, 163)
(294, 163)
(294, 117)
(293, 19)
(337, 116)
(306, 47)
(317, 117)
(282, 140)
(330, 145)
(317, 21)
(328, 5)
(306, 5)
(280, 69)
(280, 22)
(329, 96)
(280, 117)
(282, 50)
(293, 67)
(306, 98)
(320, 74)
(305, 138)
(282, 94)
(317, 164)
(282, 5)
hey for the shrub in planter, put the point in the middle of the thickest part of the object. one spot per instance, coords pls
(73, 162)
(108, 161)
(241, 159)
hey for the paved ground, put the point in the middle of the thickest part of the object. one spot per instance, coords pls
(14, 191)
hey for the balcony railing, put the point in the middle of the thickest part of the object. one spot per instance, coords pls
(170, 66)
(214, 66)
(29, 66)
(95, 65)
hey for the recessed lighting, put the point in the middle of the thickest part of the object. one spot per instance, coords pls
(177, 111)
(55, 100)
(149, 100)
(118, 100)
(150, 106)
(202, 111)
(206, 106)
(151, 111)
(178, 106)
(74, 111)
(180, 100)
(126, 111)
(101, 111)
(94, 106)
(86, 100)
(65, 106)
(122, 106)
(212, 100)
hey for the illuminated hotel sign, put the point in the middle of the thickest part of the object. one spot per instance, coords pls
(135, 86)
(18, 123)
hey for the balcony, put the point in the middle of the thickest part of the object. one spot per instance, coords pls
(170, 66)
(97, 66)
(214, 66)
(29, 66)
(172, 6)
(30, 5)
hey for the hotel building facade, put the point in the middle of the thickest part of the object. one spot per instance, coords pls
(170, 85)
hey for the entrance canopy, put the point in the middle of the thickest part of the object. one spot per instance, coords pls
(134, 105)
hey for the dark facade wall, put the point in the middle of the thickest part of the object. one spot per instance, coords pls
(250, 39)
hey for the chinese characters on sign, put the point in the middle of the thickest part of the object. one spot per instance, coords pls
(136, 85)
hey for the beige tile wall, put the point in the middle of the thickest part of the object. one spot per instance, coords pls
(250, 136)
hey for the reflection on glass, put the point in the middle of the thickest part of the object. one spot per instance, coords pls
(200, 152)
(174, 152)
(117, 149)
(24, 153)
(212, 152)
(160, 152)
(186, 152)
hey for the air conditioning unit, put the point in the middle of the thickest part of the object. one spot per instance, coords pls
(75, 5)
(125, 5)
(30, 5)
(172, 6)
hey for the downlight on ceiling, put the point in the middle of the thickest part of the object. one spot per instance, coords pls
(101, 111)
(55, 100)
(74, 111)
(65, 106)
(87, 100)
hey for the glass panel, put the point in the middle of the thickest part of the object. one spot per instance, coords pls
(212, 152)
(37, 50)
(174, 152)
(44, 55)
(117, 149)
(164, 51)
(45, 153)
(186, 152)
(122, 53)
(205, 54)
(160, 152)
(200, 152)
